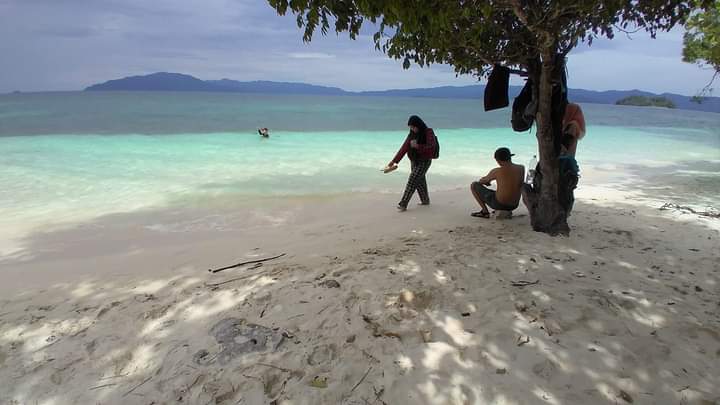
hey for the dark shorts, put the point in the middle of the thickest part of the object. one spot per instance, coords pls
(488, 196)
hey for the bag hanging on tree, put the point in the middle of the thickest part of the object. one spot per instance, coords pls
(523, 109)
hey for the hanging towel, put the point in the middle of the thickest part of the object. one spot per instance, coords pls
(496, 90)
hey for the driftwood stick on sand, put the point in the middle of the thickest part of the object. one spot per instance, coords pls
(113, 376)
(244, 263)
(287, 370)
(710, 213)
(362, 379)
(215, 285)
(137, 386)
(102, 386)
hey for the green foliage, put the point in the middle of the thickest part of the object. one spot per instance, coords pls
(702, 39)
(473, 35)
(646, 101)
(702, 43)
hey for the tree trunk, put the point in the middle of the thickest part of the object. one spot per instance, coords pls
(546, 213)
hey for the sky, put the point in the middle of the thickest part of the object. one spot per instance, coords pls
(53, 45)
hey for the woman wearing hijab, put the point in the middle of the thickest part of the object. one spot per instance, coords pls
(420, 146)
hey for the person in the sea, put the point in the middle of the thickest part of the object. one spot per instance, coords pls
(421, 147)
(509, 178)
(264, 132)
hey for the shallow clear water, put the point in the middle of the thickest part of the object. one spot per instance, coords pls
(74, 156)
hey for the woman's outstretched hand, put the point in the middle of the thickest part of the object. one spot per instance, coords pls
(390, 167)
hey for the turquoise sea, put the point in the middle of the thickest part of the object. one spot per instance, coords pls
(74, 156)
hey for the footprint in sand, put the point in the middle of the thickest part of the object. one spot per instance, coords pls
(416, 300)
(85, 309)
(695, 332)
(645, 351)
(106, 308)
(60, 374)
(35, 318)
(90, 347)
(322, 354)
(121, 363)
(156, 312)
(545, 369)
(273, 384)
(378, 252)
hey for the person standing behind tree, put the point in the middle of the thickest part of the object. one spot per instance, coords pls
(421, 147)
(573, 129)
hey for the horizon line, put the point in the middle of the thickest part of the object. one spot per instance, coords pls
(351, 92)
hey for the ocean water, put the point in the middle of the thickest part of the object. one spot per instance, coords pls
(68, 157)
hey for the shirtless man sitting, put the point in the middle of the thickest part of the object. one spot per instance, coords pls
(509, 178)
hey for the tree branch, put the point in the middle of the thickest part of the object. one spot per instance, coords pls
(627, 32)
(519, 12)
(705, 91)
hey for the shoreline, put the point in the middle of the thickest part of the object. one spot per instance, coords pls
(689, 183)
(295, 223)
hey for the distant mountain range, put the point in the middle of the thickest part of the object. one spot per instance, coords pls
(163, 81)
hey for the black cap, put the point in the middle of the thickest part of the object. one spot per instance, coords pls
(503, 154)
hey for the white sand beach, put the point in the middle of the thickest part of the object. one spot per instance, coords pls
(368, 306)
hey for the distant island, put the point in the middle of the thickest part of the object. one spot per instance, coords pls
(164, 81)
(643, 101)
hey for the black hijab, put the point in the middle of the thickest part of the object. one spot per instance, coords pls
(420, 136)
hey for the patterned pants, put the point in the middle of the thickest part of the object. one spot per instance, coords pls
(416, 181)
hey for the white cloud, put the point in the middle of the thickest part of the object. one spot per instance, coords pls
(310, 55)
